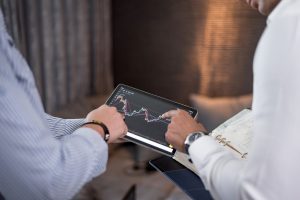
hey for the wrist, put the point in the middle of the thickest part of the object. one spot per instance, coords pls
(192, 137)
(96, 128)
(100, 127)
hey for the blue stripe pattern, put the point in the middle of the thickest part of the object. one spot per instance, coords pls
(41, 157)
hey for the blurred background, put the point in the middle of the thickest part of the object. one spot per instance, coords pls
(196, 52)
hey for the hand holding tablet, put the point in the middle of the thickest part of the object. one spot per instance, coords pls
(182, 124)
(143, 114)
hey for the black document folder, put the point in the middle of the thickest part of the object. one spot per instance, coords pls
(185, 179)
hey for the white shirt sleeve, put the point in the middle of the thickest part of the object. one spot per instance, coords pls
(217, 167)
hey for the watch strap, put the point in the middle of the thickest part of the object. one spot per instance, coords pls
(103, 126)
(191, 138)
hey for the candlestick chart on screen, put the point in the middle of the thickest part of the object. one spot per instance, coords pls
(143, 114)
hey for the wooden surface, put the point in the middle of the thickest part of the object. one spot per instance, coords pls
(175, 47)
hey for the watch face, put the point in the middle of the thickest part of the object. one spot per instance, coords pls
(190, 139)
(194, 137)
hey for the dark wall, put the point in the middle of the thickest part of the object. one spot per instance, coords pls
(177, 47)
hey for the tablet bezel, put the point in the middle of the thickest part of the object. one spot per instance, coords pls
(130, 136)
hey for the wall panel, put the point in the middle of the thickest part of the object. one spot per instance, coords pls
(175, 47)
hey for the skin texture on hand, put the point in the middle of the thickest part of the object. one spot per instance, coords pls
(112, 119)
(181, 125)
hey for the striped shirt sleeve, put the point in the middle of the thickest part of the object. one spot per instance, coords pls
(61, 127)
(33, 163)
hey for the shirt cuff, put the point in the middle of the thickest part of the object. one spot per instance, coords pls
(99, 148)
(213, 161)
(203, 147)
(204, 153)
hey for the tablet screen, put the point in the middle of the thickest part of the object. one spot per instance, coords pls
(143, 112)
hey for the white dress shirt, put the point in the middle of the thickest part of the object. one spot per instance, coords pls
(272, 170)
(41, 157)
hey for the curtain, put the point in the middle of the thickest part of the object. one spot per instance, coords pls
(67, 45)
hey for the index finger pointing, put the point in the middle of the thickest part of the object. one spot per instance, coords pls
(169, 114)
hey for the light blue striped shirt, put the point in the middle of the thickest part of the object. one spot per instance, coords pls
(41, 157)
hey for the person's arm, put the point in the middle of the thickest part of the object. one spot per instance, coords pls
(219, 170)
(35, 165)
(61, 127)
(271, 170)
(213, 162)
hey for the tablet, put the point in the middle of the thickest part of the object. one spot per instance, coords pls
(143, 112)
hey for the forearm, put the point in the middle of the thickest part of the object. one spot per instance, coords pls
(219, 170)
(87, 155)
(34, 164)
(48, 168)
(61, 127)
